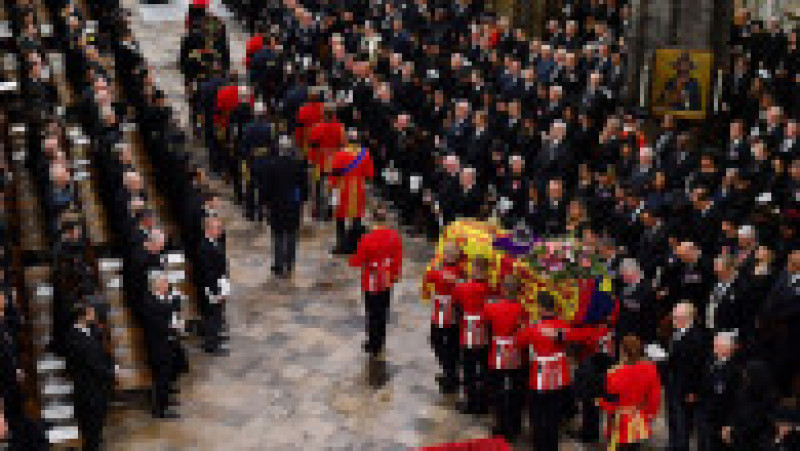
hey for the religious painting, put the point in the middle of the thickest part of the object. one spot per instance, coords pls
(681, 83)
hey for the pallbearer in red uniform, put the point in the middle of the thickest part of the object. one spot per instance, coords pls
(438, 287)
(632, 397)
(351, 168)
(549, 370)
(325, 139)
(470, 298)
(379, 254)
(504, 317)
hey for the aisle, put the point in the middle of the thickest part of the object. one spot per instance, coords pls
(295, 378)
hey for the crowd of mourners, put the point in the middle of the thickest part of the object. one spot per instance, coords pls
(108, 93)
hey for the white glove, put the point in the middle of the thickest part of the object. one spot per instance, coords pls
(224, 287)
(414, 183)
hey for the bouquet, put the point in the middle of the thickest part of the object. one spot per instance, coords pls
(564, 258)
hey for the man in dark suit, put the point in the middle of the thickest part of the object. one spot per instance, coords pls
(92, 370)
(637, 309)
(258, 137)
(718, 391)
(283, 180)
(554, 208)
(778, 321)
(160, 331)
(682, 371)
(213, 283)
(726, 308)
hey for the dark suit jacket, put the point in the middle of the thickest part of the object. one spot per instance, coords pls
(283, 183)
(91, 368)
(686, 360)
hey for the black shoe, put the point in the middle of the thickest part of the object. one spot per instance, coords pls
(221, 352)
(167, 414)
(338, 251)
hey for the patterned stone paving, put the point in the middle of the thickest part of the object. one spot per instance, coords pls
(296, 378)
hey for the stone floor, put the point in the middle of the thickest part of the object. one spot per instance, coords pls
(296, 375)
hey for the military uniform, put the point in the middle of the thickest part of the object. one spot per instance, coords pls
(631, 400)
(504, 317)
(470, 297)
(350, 169)
(438, 287)
(379, 254)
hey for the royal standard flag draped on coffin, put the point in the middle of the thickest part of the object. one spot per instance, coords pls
(580, 299)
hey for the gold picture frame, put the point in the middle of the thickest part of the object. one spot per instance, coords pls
(681, 83)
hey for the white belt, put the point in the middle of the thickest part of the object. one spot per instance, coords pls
(550, 358)
(503, 342)
(472, 322)
(443, 301)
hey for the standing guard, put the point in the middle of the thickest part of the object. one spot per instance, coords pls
(215, 285)
(350, 169)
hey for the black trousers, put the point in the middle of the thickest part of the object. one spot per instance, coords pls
(346, 239)
(709, 432)
(252, 209)
(212, 322)
(590, 421)
(90, 411)
(377, 315)
(445, 347)
(237, 177)
(163, 377)
(546, 411)
(322, 207)
(508, 400)
(475, 369)
(284, 245)
(680, 417)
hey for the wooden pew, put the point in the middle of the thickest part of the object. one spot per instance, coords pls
(127, 342)
(53, 394)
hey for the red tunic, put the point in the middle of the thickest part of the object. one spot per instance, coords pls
(439, 284)
(637, 392)
(350, 195)
(327, 138)
(504, 317)
(307, 116)
(227, 101)
(379, 254)
(254, 44)
(549, 365)
(471, 297)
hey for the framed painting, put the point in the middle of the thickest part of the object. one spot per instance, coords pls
(681, 83)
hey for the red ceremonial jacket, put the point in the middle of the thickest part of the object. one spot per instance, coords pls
(380, 256)
(308, 115)
(351, 197)
(549, 365)
(327, 138)
(471, 297)
(634, 401)
(504, 317)
(439, 284)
